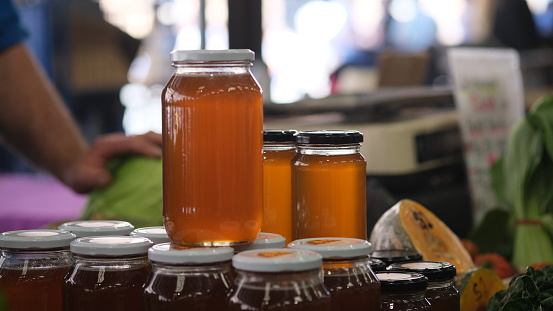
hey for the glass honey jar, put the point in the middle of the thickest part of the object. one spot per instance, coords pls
(188, 278)
(328, 184)
(212, 132)
(441, 292)
(108, 273)
(278, 150)
(278, 279)
(32, 267)
(347, 272)
(403, 291)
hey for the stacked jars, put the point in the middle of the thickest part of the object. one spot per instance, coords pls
(347, 272)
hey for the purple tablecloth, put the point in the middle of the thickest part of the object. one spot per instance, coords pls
(30, 201)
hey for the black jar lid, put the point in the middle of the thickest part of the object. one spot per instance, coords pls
(433, 270)
(390, 256)
(401, 282)
(377, 264)
(280, 136)
(329, 137)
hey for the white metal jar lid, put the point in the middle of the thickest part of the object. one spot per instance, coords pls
(277, 260)
(174, 254)
(110, 245)
(264, 240)
(332, 247)
(212, 55)
(83, 228)
(156, 234)
(36, 239)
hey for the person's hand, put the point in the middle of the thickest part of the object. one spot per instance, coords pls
(89, 171)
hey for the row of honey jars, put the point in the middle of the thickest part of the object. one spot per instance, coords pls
(92, 272)
(314, 184)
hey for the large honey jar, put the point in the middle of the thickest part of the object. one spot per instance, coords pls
(212, 128)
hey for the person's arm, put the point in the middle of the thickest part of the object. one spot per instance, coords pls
(35, 122)
(33, 119)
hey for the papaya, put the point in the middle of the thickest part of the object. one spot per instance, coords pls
(409, 225)
(476, 287)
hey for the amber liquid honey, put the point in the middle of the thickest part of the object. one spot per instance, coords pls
(329, 196)
(353, 292)
(200, 291)
(88, 289)
(443, 299)
(277, 192)
(33, 289)
(212, 158)
(257, 298)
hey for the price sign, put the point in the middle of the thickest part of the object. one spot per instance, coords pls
(489, 96)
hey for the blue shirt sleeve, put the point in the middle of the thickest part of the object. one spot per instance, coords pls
(11, 30)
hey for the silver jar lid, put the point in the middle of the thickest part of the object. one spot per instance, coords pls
(82, 228)
(332, 247)
(156, 234)
(110, 245)
(264, 240)
(36, 239)
(192, 56)
(277, 260)
(174, 254)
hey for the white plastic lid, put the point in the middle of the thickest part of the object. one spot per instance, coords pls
(82, 228)
(277, 260)
(335, 247)
(155, 234)
(36, 239)
(212, 55)
(168, 253)
(110, 245)
(263, 241)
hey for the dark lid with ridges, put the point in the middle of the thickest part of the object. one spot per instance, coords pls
(390, 256)
(329, 137)
(279, 136)
(377, 264)
(433, 270)
(401, 282)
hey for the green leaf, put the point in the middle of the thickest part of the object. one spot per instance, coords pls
(135, 195)
(491, 231)
(521, 159)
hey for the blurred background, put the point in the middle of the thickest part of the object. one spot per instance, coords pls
(110, 59)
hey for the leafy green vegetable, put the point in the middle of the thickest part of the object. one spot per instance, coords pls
(135, 195)
(532, 291)
(522, 178)
(490, 234)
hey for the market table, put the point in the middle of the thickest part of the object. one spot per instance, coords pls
(30, 201)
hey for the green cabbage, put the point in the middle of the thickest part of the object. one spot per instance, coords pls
(135, 194)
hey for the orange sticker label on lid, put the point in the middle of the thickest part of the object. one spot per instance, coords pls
(319, 242)
(274, 254)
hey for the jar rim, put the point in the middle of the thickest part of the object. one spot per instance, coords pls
(329, 137)
(193, 56)
(36, 239)
(82, 228)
